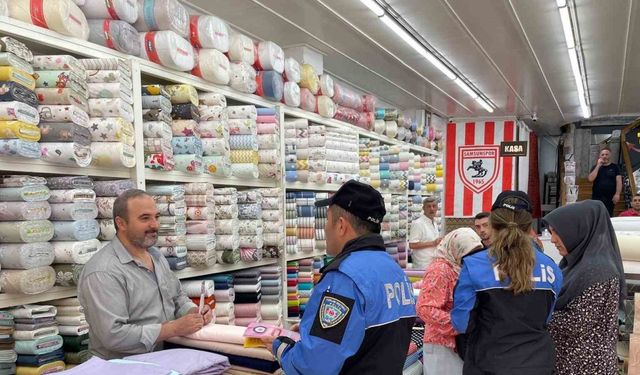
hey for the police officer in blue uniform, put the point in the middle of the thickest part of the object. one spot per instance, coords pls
(506, 331)
(361, 313)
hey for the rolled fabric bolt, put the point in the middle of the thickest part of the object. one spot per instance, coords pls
(241, 49)
(112, 155)
(111, 129)
(168, 49)
(8, 44)
(213, 113)
(117, 35)
(269, 56)
(215, 146)
(309, 78)
(291, 70)
(291, 94)
(269, 85)
(243, 77)
(12, 91)
(157, 129)
(212, 99)
(213, 66)
(19, 147)
(209, 32)
(163, 15)
(62, 16)
(214, 129)
(66, 153)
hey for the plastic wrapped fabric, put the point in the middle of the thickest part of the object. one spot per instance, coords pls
(117, 35)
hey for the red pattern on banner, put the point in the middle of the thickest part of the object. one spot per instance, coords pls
(450, 171)
(469, 140)
(507, 171)
(487, 196)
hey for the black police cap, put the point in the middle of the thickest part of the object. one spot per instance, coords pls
(514, 200)
(361, 200)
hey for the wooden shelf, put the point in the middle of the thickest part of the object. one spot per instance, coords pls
(302, 255)
(222, 268)
(36, 166)
(175, 176)
(57, 292)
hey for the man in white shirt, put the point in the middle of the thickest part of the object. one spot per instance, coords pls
(424, 235)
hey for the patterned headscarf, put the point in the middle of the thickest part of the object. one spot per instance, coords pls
(457, 244)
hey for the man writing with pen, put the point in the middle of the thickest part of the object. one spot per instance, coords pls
(131, 298)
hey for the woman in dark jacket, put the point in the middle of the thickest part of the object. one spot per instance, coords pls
(584, 326)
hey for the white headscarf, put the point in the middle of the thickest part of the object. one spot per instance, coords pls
(457, 244)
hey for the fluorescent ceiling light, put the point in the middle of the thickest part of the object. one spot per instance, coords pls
(465, 87)
(561, 3)
(374, 7)
(566, 27)
(410, 40)
(484, 105)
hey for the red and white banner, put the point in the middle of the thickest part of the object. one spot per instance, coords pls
(475, 173)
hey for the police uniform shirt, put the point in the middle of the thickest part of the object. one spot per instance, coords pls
(359, 317)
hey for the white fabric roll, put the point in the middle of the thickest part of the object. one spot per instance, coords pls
(212, 65)
(326, 107)
(168, 49)
(62, 16)
(241, 49)
(326, 85)
(391, 128)
(291, 95)
(270, 57)
(162, 15)
(243, 77)
(212, 99)
(209, 32)
(125, 10)
(291, 70)
(78, 252)
(626, 224)
(113, 34)
(193, 288)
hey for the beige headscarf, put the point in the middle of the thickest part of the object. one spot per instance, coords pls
(457, 244)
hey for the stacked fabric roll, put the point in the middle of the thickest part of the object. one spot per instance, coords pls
(309, 87)
(74, 208)
(243, 141)
(388, 166)
(214, 133)
(186, 142)
(317, 154)
(76, 345)
(247, 286)
(242, 55)
(74, 330)
(352, 107)
(8, 355)
(271, 288)
(19, 116)
(63, 98)
(226, 225)
(111, 111)
(224, 296)
(364, 151)
(37, 342)
(291, 217)
(272, 222)
(318, 263)
(269, 161)
(293, 297)
(172, 230)
(110, 24)
(62, 16)
(157, 130)
(201, 239)
(305, 282)
(415, 207)
(209, 36)
(306, 218)
(321, 222)
(269, 63)
(405, 126)
(25, 197)
(415, 174)
(291, 75)
(250, 227)
(391, 224)
(342, 155)
(163, 27)
(403, 231)
(297, 150)
(325, 106)
(106, 193)
(25, 254)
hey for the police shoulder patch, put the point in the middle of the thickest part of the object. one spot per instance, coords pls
(332, 311)
(332, 317)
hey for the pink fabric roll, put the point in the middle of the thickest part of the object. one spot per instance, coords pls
(244, 322)
(271, 128)
(369, 102)
(267, 119)
(247, 310)
(307, 100)
(347, 97)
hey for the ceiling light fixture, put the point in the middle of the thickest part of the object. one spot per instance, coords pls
(565, 18)
(400, 31)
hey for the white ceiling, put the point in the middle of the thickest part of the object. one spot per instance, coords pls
(511, 50)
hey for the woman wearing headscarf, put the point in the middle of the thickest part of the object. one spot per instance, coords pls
(436, 301)
(504, 297)
(584, 324)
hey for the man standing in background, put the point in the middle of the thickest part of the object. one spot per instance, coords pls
(607, 181)
(424, 235)
(482, 226)
(635, 207)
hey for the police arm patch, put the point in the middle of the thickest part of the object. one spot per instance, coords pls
(332, 317)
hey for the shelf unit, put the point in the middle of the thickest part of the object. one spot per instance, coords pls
(44, 41)
(298, 256)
